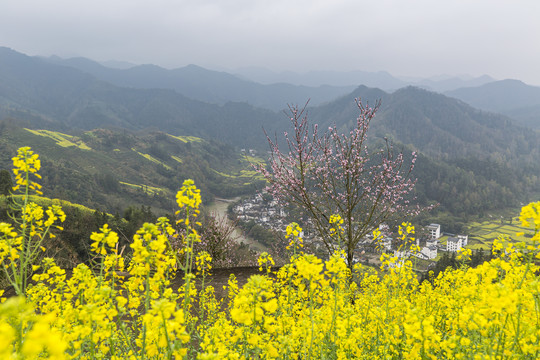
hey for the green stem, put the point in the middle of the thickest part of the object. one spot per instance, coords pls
(22, 264)
(146, 307)
(127, 338)
(334, 313)
(169, 350)
(187, 267)
(311, 317)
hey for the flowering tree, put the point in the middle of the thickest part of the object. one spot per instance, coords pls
(336, 174)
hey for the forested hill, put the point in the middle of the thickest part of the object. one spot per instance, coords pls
(112, 170)
(440, 127)
(511, 97)
(471, 161)
(46, 95)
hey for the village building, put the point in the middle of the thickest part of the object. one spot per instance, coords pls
(454, 244)
(432, 242)
(434, 231)
(430, 252)
(269, 214)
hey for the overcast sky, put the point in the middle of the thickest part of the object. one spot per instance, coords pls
(404, 37)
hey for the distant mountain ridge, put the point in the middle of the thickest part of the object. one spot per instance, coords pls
(257, 86)
(205, 85)
(451, 83)
(64, 98)
(511, 97)
(499, 95)
(379, 79)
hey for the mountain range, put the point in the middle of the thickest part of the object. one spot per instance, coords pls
(436, 125)
(270, 90)
(77, 96)
(62, 98)
(379, 79)
(206, 85)
(513, 98)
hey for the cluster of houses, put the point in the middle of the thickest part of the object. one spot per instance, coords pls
(262, 211)
(454, 243)
(266, 212)
(430, 244)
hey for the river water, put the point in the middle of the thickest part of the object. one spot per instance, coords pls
(219, 208)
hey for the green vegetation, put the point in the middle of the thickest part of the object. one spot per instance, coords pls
(44, 202)
(151, 190)
(63, 140)
(483, 234)
(253, 159)
(176, 158)
(153, 159)
(187, 139)
(6, 183)
(308, 309)
(112, 170)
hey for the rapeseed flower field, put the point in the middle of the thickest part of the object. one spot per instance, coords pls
(308, 309)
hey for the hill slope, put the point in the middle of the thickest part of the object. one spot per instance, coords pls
(109, 170)
(450, 134)
(511, 97)
(438, 126)
(470, 161)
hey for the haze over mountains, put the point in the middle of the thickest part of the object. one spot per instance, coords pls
(259, 87)
(381, 79)
(271, 90)
(514, 98)
(79, 95)
(206, 85)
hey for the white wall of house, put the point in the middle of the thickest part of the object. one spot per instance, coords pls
(454, 244)
(464, 239)
(434, 231)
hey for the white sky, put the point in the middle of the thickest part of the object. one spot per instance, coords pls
(404, 37)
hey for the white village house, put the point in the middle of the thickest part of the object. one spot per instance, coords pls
(428, 253)
(455, 244)
(434, 231)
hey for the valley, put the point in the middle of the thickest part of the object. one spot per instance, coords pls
(110, 141)
(310, 180)
(220, 208)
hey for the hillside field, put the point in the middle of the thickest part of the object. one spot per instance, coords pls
(482, 234)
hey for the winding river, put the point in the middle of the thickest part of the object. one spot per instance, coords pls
(219, 208)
